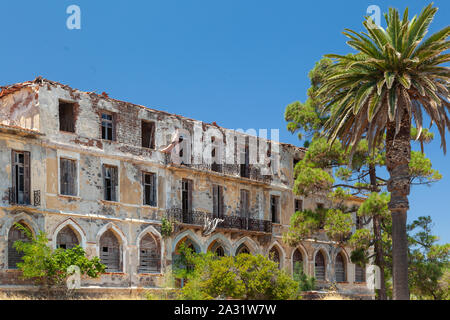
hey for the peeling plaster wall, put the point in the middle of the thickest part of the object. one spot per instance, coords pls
(128, 216)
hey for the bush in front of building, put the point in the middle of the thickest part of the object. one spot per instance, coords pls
(50, 268)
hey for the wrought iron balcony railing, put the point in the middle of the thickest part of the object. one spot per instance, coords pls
(252, 172)
(21, 199)
(230, 222)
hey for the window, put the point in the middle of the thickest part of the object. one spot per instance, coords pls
(186, 199)
(320, 266)
(360, 273)
(339, 268)
(67, 239)
(294, 163)
(66, 116)
(298, 204)
(149, 183)
(110, 251)
(15, 234)
(245, 159)
(110, 182)
(148, 134)
(274, 255)
(242, 249)
(68, 177)
(245, 204)
(220, 252)
(218, 207)
(320, 206)
(20, 177)
(274, 208)
(297, 262)
(149, 255)
(108, 127)
(216, 161)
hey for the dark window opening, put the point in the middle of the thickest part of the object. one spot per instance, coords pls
(20, 177)
(186, 198)
(297, 261)
(110, 181)
(298, 205)
(274, 209)
(149, 181)
(66, 116)
(245, 159)
(68, 177)
(148, 134)
(108, 127)
(218, 205)
(360, 273)
(220, 252)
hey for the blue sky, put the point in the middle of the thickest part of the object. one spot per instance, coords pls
(236, 62)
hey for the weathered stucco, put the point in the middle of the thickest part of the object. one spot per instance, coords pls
(34, 106)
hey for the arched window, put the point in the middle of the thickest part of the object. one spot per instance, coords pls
(297, 261)
(274, 255)
(320, 266)
(339, 268)
(149, 255)
(15, 234)
(66, 238)
(242, 249)
(110, 251)
(220, 252)
(360, 273)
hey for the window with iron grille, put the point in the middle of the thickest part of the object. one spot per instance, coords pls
(110, 182)
(68, 177)
(149, 255)
(274, 208)
(319, 266)
(66, 116)
(110, 252)
(298, 204)
(360, 273)
(218, 205)
(67, 239)
(108, 126)
(339, 268)
(242, 249)
(149, 183)
(148, 134)
(20, 177)
(15, 234)
(186, 198)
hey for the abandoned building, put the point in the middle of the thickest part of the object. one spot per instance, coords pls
(88, 170)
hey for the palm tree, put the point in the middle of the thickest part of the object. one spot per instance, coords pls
(394, 76)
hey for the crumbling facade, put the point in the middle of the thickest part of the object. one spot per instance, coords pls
(93, 171)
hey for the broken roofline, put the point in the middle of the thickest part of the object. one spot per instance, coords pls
(40, 81)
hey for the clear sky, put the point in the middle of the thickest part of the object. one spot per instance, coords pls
(236, 62)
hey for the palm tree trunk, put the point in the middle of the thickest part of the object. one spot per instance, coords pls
(398, 155)
(379, 255)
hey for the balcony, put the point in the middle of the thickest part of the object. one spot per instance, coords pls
(252, 172)
(21, 200)
(197, 218)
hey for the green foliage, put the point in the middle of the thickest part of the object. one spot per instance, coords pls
(420, 168)
(305, 282)
(166, 227)
(310, 179)
(375, 204)
(429, 262)
(242, 277)
(338, 224)
(50, 267)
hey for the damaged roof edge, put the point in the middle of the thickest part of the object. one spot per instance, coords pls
(39, 81)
